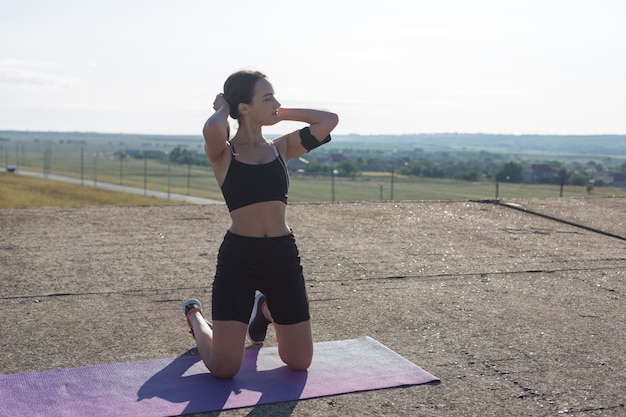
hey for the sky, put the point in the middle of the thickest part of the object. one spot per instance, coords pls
(385, 67)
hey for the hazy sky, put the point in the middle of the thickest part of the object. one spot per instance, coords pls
(386, 67)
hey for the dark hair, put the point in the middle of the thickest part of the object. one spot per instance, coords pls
(239, 88)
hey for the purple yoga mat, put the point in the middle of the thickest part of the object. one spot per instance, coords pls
(165, 387)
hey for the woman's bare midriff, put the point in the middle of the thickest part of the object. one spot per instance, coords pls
(266, 219)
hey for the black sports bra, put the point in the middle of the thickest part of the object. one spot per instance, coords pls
(247, 184)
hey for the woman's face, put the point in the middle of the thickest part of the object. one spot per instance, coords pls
(264, 106)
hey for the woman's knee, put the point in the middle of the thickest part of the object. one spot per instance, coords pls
(224, 369)
(227, 350)
(295, 345)
(298, 357)
(299, 363)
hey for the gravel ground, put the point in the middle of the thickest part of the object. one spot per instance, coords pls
(518, 307)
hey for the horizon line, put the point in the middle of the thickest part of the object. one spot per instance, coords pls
(93, 132)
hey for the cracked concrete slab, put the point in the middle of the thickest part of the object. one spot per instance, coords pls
(517, 314)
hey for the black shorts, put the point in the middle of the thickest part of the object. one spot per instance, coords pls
(270, 265)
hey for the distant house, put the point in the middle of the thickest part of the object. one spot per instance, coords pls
(527, 175)
(298, 165)
(335, 159)
(619, 179)
(542, 173)
(604, 177)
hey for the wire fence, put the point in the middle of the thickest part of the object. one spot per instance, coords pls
(98, 165)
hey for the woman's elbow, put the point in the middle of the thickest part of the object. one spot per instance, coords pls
(333, 120)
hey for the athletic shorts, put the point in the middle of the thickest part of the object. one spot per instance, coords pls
(270, 265)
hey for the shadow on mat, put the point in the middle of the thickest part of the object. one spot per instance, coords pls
(186, 380)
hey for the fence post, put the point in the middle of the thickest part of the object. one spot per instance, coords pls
(122, 155)
(47, 161)
(392, 175)
(95, 171)
(169, 175)
(188, 176)
(145, 173)
(332, 179)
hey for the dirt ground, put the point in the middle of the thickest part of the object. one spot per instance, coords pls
(519, 314)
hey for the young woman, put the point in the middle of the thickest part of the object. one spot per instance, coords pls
(259, 251)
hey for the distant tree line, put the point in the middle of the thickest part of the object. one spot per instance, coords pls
(467, 166)
(178, 155)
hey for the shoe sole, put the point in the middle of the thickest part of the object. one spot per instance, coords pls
(190, 302)
(255, 309)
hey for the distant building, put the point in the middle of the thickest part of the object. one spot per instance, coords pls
(542, 173)
(335, 159)
(605, 178)
(619, 179)
(298, 165)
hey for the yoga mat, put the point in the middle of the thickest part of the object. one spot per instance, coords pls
(182, 385)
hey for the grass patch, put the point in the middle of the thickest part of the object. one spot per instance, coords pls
(26, 191)
(21, 191)
(373, 187)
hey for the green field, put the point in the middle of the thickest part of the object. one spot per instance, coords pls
(92, 159)
(377, 187)
(25, 191)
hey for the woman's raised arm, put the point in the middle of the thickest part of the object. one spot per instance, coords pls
(216, 130)
(321, 123)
